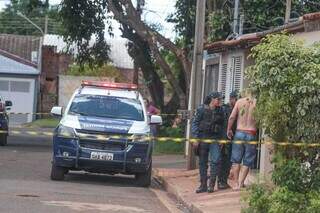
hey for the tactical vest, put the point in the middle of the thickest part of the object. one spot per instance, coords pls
(212, 122)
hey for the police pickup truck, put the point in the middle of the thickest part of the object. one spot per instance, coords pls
(105, 128)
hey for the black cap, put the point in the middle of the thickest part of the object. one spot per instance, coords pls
(214, 95)
(234, 94)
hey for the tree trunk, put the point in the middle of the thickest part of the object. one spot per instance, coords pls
(126, 14)
(140, 52)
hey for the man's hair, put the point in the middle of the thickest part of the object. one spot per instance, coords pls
(247, 92)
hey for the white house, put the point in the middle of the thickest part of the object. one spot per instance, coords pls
(19, 83)
(225, 61)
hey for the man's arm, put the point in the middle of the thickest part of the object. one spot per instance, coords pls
(232, 119)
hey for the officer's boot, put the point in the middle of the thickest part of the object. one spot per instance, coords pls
(212, 182)
(203, 185)
(213, 177)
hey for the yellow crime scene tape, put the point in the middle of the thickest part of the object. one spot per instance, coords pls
(105, 138)
(48, 113)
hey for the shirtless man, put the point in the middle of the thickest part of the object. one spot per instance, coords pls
(246, 131)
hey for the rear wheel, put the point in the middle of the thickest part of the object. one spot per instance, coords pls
(144, 179)
(3, 139)
(57, 172)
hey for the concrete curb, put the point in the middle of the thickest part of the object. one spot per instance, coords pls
(172, 191)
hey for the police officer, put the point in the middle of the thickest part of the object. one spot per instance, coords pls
(208, 123)
(226, 148)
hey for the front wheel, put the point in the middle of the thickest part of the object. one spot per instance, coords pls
(3, 139)
(57, 172)
(144, 179)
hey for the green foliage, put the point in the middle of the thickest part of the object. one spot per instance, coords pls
(220, 25)
(258, 15)
(184, 19)
(35, 10)
(82, 20)
(268, 199)
(262, 14)
(300, 174)
(105, 70)
(286, 76)
(258, 199)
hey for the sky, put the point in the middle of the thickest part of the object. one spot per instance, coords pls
(156, 11)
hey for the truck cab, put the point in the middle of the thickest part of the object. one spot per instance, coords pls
(105, 128)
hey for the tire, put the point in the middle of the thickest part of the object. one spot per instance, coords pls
(57, 172)
(3, 139)
(144, 179)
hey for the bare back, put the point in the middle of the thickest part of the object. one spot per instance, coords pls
(243, 112)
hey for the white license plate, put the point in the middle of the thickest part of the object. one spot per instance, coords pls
(101, 156)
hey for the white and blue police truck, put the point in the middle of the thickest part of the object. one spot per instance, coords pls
(105, 128)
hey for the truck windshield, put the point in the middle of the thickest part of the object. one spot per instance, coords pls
(108, 107)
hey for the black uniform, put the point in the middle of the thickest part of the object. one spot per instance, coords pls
(209, 124)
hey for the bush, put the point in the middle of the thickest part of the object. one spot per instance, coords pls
(286, 77)
(107, 70)
(170, 147)
(258, 199)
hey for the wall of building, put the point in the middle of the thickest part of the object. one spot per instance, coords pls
(68, 84)
(308, 37)
(53, 64)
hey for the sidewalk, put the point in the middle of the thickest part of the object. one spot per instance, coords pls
(182, 184)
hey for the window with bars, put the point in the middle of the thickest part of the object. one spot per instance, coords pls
(231, 76)
(211, 78)
(223, 78)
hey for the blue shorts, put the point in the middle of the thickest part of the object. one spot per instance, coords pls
(245, 153)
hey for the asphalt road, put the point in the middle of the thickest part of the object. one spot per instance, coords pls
(25, 185)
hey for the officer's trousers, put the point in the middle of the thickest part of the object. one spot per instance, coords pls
(225, 163)
(213, 151)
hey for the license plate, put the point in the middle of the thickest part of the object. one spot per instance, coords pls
(101, 156)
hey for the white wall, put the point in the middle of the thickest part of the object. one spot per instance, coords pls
(308, 37)
(68, 84)
(22, 97)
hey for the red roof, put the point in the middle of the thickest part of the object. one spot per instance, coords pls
(249, 40)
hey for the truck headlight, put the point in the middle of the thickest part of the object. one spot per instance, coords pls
(65, 132)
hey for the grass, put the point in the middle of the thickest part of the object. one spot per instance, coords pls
(168, 147)
(43, 123)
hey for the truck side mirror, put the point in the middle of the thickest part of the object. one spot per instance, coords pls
(8, 103)
(156, 119)
(56, 111)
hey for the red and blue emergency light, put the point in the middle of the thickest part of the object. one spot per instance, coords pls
(110, 85)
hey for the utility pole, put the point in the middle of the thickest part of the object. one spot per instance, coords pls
(196, 76)
(236, 17)
(288, 12)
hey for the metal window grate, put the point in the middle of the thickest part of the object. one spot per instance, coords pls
(20, 86)
(4, 85)
(223, 78)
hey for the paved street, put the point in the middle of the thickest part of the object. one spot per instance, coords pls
(25, 185)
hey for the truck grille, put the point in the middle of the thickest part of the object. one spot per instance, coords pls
(90, 144)
(111, 144)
